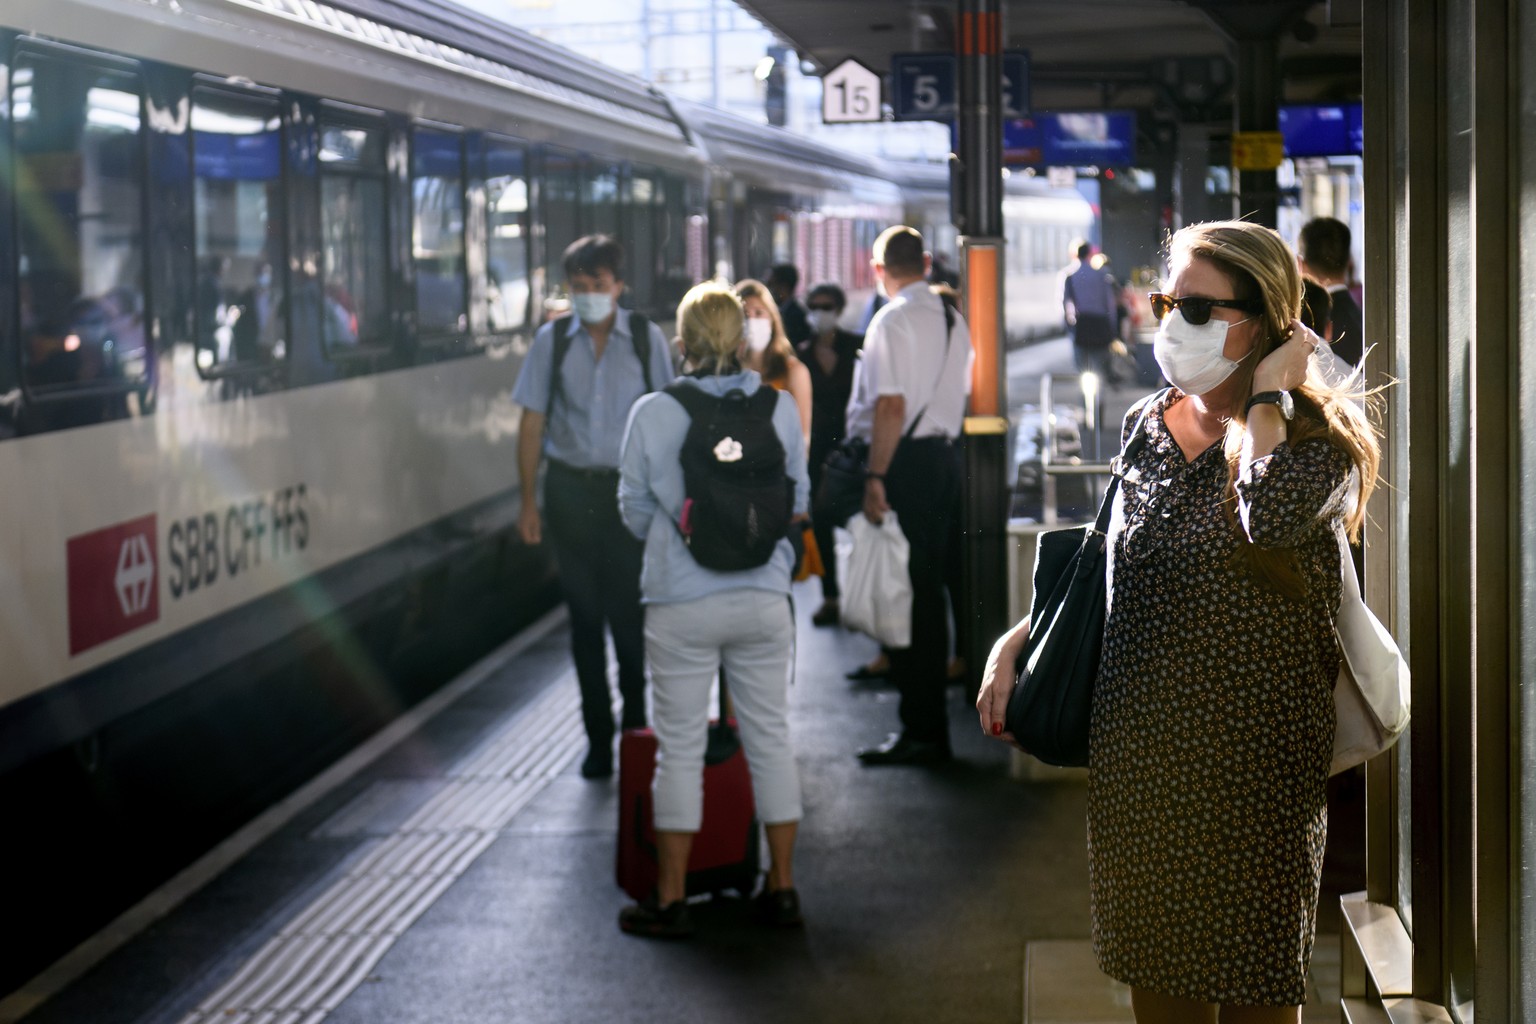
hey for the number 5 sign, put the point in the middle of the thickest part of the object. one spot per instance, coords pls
(850, 93)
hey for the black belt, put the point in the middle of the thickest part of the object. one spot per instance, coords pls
(583, 473)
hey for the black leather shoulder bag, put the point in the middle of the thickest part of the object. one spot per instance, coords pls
(1052, 700)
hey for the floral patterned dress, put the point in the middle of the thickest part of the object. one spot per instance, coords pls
(1213, 726)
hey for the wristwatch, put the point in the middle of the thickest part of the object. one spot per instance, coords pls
(1280, 398)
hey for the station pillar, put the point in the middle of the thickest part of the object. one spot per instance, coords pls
(1258, 110)
(981, 610)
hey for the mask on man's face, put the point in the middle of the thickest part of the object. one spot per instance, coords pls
(592, 307)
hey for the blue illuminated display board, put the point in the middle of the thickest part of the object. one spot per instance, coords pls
(1098, 138)
(1323, 129)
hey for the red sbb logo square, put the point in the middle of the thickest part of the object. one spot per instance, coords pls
(113, 582)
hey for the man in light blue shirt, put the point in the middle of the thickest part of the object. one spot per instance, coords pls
(579, 379)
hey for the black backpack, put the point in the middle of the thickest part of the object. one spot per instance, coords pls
(740, 498)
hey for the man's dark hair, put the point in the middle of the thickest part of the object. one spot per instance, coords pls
(593, 254)
(1316, 305)
(827, 288)
(1325, 246)
(784, 274)
(1084, 251)
(900, 249)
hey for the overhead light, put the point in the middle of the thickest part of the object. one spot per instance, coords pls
(764, 69)
(926, 23)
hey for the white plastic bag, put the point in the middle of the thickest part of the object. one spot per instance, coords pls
(877, 592)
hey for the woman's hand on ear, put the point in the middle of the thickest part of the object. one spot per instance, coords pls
(1286, 367)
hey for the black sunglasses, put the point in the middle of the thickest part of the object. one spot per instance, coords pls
(1195, 309)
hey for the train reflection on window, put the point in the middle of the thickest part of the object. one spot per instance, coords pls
(600, 198)
(437, 234)
(641, 237)
(558, 204)
(354, 238)
(506, 208)
(237, 146)
(80, 195)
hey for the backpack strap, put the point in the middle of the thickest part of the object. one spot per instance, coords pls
(640, 337)
(695, 401)
(562, 346)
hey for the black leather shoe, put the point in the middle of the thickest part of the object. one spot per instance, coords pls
(829, 614)
(651, 921)
(598, 763)
(778, 908)
(900, 750)
(864, 673)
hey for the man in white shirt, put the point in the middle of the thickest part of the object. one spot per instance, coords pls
(909, 395)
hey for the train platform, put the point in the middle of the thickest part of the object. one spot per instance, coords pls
(461, 870)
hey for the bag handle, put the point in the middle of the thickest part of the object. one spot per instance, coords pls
(1117, 467)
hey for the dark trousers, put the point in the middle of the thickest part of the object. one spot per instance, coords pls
(923, 486)
(600, 563)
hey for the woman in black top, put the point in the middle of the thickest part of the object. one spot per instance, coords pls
(829, 355)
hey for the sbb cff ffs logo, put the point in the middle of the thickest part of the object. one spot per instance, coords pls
(113, 587)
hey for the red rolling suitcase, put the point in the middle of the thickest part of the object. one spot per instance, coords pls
(725, 850)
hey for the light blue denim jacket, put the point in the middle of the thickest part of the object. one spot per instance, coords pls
(651, 494)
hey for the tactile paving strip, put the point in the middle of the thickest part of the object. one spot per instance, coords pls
(328, 948)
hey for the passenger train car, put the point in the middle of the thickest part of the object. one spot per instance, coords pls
(267, 272)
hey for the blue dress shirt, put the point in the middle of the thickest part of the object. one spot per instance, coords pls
(587, 424)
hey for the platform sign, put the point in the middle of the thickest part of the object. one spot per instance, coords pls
(926, 86)
(1257, 151)
(850, 94)
(923, 86)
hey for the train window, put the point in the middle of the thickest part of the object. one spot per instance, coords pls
(642, 195)
(684, 257)
(506, 235)
(437, 234)
(79, 185)
(600, 199)
(237, 163)
(559, 189)
(354, 236)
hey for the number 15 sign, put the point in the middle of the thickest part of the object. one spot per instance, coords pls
(850, 93)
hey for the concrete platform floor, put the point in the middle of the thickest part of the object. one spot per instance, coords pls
(951, 894)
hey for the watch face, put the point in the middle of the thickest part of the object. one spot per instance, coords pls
(1287, 407)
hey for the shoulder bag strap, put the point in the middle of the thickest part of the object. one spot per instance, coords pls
(949, 330)
(1133, 446)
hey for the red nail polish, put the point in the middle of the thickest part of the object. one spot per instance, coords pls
(997, 728)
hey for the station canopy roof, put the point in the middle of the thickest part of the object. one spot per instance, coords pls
(1174, 58)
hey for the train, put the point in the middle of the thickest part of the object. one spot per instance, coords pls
(268, 269)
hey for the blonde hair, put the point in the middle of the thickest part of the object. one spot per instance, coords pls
(777, 355)
(1260, 266)
(711, 323)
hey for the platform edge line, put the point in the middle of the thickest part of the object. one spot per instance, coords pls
(73, 965)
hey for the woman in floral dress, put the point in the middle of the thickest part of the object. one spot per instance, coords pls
(1213, 714)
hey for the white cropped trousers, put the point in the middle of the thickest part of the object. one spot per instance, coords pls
(750, 632)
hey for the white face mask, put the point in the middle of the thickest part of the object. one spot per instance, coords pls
(1190, 356)
(592, 307)
(759, 333)
(822, 320)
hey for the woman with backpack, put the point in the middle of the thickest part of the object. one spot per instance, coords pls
(716, 592)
